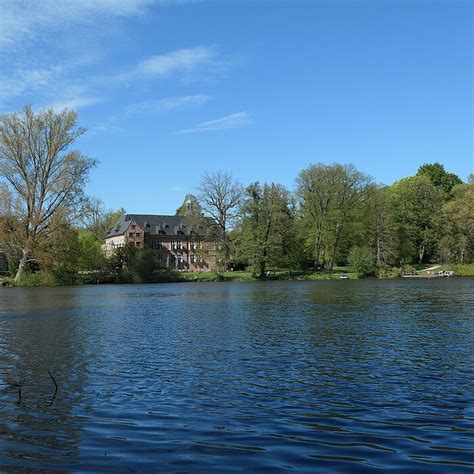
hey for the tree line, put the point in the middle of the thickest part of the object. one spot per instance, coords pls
(336, 215)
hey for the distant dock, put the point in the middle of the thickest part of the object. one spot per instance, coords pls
(428, 274)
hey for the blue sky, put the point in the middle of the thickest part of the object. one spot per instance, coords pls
(170, 89)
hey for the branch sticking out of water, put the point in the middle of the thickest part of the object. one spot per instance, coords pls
(20, 386)
(55, 389)
(54, 381)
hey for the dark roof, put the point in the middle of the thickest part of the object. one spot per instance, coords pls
(158, 224)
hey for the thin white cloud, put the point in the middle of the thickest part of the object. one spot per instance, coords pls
(74, 103)
(22, 21)
(51, 56)
(25, 81)
(167, 103)
(224, 123)
(200, 62)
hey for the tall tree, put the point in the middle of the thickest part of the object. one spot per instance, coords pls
(219, 197)
(416, 201)
(457, 222)
(45, 178)
(379, 226)
(266, 226)
(439, 176)
(328, 194)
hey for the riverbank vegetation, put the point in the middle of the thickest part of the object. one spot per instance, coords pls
(336, 219)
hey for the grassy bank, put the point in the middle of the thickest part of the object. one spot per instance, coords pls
(466, 270)
(300, 275)
(39, 279)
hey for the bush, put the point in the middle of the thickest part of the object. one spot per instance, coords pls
(132, 264)
(362, 261)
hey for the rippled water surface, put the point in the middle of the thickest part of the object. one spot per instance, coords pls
(343, 376)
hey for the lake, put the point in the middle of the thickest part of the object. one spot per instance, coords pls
(327, 376)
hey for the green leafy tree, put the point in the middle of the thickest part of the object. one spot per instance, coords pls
(361, 259)
(328, 196)
(266, 227)
(56, 255)
(91, 255)
(456, 244)
(379, 227)
(416, 201)
(134, 264)
(439, 176)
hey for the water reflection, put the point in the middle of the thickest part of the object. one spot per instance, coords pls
(344, 376)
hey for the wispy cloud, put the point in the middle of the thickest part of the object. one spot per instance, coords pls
(21, 21)
(224, 123)
(73, 103)
(200, 62)
(54, 55)
(167, 103)
(24, 81)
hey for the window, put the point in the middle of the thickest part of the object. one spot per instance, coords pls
(177, 245)
(192, 259)
(131, 234)
(138, 234)
(196, 245)
(157, 244)
(133, 226)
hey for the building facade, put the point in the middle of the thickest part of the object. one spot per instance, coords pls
(179, 244)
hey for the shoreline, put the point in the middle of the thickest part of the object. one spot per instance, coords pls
(340, 273)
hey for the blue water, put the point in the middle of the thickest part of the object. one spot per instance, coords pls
(342, 376)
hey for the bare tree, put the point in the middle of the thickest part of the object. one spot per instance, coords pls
(220, 196)
(44, 178)
(97, 219)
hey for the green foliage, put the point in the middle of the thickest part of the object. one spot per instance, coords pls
(91, 255)
(378, 225)
(361, 259)
(415, 204)
(466, 270)
(456, 221)
(44, 180)
(436, 173)
(56, 255)
(329, 197)
(266, 228)
(134, 264)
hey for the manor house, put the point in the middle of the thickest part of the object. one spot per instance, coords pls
(182, 243)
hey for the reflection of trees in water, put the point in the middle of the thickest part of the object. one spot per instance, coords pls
(41, 425)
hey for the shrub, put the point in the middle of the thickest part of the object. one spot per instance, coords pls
(362, 261)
